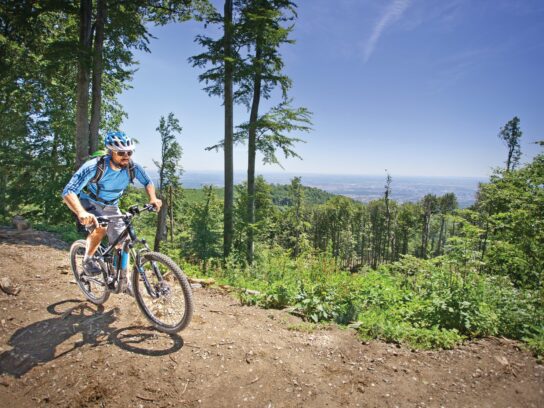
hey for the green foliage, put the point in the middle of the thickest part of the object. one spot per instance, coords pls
(205, 223)
(272, 131)
(169, 168)
(276, 297)
(381, 326)
(511, 214)
(67, 232)
(511, 134)
(424, 303)
(535, 343)
(311, 196)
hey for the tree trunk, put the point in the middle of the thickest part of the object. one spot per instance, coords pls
(171, 212)
(98, 68)
(388, 221)
(297, 233)
(441, 236)
(161, 233)
(252, 152)
(228, 223)
(425, 235)
(82, 104)
(3, 192)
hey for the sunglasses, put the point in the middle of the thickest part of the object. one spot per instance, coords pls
(123, 154)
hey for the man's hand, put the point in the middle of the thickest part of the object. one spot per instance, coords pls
(156, 203)
(87, 219)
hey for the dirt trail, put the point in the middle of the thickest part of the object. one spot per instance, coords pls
(56, 350)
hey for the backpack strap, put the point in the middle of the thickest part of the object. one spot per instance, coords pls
(100, 170)
(131, 171)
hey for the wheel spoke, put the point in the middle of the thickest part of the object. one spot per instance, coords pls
(169, 304)
(94, 288)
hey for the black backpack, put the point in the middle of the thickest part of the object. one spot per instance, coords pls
(101, 169)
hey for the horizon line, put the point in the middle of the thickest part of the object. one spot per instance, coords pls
(311, 173)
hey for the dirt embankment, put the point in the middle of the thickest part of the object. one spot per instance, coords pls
(57, 350)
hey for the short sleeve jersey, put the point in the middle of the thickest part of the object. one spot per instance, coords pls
(112, 184)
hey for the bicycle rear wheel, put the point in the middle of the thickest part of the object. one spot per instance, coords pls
(162, 292)
(93, 287)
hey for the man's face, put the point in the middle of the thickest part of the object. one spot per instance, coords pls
(121, 159)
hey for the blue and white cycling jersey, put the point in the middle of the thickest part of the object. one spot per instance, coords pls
(112, 184)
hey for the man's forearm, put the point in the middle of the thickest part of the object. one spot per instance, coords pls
(150, 190)
(72, 201)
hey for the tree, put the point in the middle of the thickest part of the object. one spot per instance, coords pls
(206, 227)
(264, 214)
(83, 73)
(97, 73)
(386, 200)
(228, 202)
(511, 207)
(511, 134)
(262, 32)
(169, 173)
(406, 227)
(378, 221)
(295, 216)
(446, 205)
(429, 206)
(122, 26)
(222, 56)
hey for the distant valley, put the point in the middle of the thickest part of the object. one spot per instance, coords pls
(361, 188)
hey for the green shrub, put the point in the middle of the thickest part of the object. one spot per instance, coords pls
(535, 343)
(66, 232)
(385, 327)
(276, 297)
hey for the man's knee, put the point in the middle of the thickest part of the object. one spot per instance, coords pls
(99, 232)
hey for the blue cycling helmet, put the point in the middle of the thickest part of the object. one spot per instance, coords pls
(118, 141)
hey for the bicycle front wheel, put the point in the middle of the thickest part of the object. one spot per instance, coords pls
(93, 287)
(162, 292)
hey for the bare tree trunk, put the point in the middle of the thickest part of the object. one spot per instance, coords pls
(161, 233)
(425, 235)
(252, 152)
(82, 105)
(171, 208)
(441, 235)
(228, 223)
(98, 68)
(3, 192)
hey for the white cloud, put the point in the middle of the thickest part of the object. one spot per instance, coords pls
(392, 13)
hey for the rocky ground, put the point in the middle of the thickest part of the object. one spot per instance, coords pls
(58, 350)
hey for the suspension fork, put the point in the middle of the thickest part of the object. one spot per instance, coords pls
(138, 268)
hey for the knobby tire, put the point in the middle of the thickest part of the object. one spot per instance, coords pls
(154, 309)
(78, 249)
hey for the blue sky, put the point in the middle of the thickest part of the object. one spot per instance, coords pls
(417, 87)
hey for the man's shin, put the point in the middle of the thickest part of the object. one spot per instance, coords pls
(94, 239)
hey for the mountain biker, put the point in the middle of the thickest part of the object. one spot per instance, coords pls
(102, 195)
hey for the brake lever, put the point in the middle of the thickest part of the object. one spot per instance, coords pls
(103, 222)
(150, 208)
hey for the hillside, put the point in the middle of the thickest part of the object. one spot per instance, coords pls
(278, 192)
(56, 350)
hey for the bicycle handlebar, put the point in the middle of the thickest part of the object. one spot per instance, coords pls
(104, 220)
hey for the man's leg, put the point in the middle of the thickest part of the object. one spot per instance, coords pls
(94, 239)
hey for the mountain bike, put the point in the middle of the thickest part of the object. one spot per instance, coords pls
(161, 289)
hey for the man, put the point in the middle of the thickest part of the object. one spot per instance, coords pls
(102, 197)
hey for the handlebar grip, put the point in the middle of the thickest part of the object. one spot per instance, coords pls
(102, 221)
(150, 207)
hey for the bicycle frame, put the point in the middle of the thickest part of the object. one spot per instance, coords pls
(127, 251)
